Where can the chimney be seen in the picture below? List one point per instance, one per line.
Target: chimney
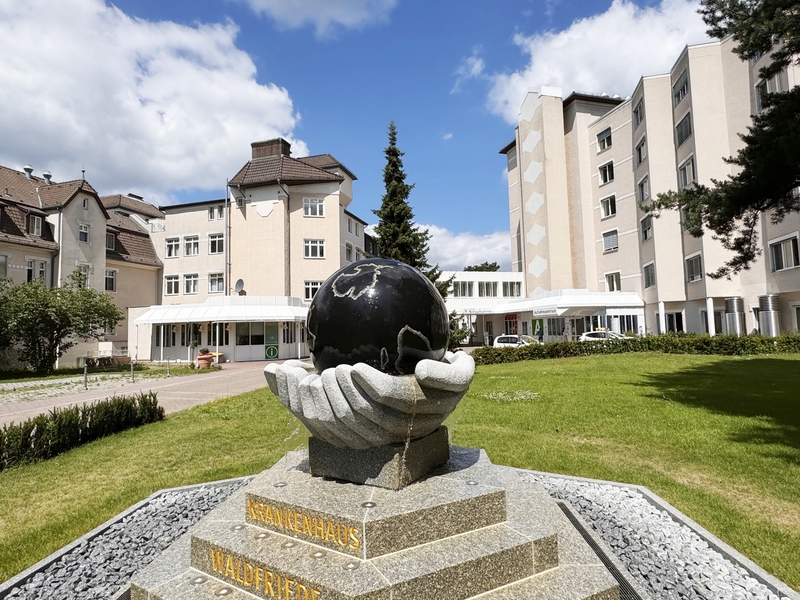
(47, 177)
(276, 147)
(28, 171)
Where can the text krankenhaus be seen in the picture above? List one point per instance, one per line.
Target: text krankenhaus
(260, 578)
(312, 527)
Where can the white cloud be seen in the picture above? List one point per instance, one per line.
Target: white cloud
(325, 15)
(447, 136)
(145, 106)
(470, 68)
(607, 52)
(454, 251)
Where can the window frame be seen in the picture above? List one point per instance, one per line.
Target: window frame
(681, 88)
(638, 114)
(216, 240)
(640, 151)
(313, 207)
(216, 279)
(113, 238)
(611, 201)
(687, 118)
(348, 252)
(607, 235)
(172, 247)
(111, 275)
(604, 140)
(613, 280)
(310, 288)
(84, 231)
(793, 252)
(606, 173)
(191, 278)
(699, 274)
(312, 247)
(642, 188)
(652, 267)
(173, 282)
(35, 225)
(194, 240)
(683, 181)
(646, 232)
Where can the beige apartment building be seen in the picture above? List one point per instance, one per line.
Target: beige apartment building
(578, 170)
(239, 273)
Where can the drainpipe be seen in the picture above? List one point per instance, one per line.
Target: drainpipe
(287, 249)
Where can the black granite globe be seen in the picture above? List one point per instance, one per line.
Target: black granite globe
(380, 312)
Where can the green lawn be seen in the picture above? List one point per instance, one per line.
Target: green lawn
(718, 437)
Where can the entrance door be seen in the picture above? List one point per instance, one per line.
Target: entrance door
(270, 340)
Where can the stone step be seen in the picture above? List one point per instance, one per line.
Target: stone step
(456, 567)
(365, 521)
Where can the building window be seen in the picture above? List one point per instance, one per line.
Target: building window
(190, 283)
(311, 288)
(607, 173)
(487, 289)
(770, 86)
(686, 173)
(348, 252)
(30, 270)
(784, 254)
(608, 207)
(644, 189)
(349, 225)
(511, 159)
(218, 334)
(694, 268)
(171, 285)
(83, 233)
(110, 241)
(610, 241)
(173, 247)
(641, 151)
(3, 266)
(358, 230)
(638, 114)
(614, 282)
(86, 203)
(462, 289)
(681, 88)
(220, 212)
(289, 333)
(85, 271)
(604, 139)
(212, 213)
(111, 281)
(674, 321)
(191, 245)
(359, 254)
(216, 283)
(649, 275)
(215, 243)
(314, 248)
(35, 225)
(647, 228)
(684, 129)
(313, 207)
(512, 289)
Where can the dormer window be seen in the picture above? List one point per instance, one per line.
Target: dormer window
(35, 225)
(110, 241)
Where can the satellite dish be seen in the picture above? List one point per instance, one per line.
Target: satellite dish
(239, 286)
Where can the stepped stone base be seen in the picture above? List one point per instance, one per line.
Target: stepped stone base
(470, 528)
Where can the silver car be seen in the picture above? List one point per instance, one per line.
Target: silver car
(514, 341)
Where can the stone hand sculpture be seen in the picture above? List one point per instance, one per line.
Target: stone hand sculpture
(359, 407)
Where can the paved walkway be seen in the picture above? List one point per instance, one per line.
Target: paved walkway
(174, 393)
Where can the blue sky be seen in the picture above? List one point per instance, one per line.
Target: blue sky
(163, 98)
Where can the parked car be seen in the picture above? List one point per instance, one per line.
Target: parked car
(602, 336)
(514, 341)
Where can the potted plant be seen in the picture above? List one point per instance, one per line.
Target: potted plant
(204, 358)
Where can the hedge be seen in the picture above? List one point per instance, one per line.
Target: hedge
(724, 345)
(51, 434)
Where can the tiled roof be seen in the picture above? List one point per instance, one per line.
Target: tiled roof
(269, 169)
(131, 204)
(36, 192)
(131, 244)
(13, 229)
(326, 161)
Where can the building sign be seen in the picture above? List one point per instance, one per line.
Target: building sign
(271, 351)
(545, 312)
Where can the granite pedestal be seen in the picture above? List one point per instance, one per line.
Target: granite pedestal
(470, 528)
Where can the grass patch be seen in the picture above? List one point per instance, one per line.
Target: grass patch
(141, 370)
(718, 437)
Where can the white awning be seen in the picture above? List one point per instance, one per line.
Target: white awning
(572, 303)
(228, 309)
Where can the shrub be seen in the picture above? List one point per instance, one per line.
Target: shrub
(724, 345)
(49, 435)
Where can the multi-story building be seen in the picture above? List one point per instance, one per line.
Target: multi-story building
(239, 273)
(580, 168)
(48, 230)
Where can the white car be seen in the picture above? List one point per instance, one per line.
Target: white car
(602, 336)
(514, 341)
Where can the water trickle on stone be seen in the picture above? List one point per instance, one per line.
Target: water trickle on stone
(298, 438)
